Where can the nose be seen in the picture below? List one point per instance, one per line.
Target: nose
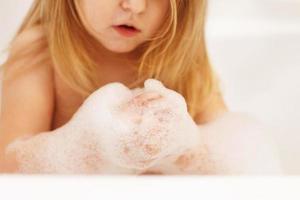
(135, 6)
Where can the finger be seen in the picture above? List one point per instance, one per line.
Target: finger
(146, 97)
(154, 85)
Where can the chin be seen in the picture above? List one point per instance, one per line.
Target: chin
(121, 47)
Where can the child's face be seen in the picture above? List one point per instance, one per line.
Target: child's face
(100, 17)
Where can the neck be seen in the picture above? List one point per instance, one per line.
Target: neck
(117, 67)
(108, 59)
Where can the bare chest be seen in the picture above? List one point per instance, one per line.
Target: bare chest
(67, 102)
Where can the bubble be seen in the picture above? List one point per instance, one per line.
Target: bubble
(116, 130)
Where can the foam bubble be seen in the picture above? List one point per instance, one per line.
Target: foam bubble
(116, 130)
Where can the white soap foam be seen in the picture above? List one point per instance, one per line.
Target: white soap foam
(162, 129)
(234, 144)
(116, 130)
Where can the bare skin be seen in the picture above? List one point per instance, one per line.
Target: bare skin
(65, 107)
(113, 132)
(151, 133)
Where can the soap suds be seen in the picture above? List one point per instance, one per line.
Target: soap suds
(116, 130)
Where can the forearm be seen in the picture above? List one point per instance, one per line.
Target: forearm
(8, 159)
(8, 163)
(58, 151)
(27, 155)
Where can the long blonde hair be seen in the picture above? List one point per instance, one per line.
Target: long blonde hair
(178, 57)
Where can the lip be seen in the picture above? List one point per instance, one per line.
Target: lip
(126, 32)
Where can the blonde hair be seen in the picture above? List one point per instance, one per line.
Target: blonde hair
(177, 56)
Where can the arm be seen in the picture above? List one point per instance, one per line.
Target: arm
(27, 106)
(74, 148)
(26, 143)
(228, 143)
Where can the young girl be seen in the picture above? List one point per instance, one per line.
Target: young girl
(67, 49)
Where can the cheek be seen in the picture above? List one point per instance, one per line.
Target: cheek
(159, 18)
(96, 14)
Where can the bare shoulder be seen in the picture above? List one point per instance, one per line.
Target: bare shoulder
(28, 54)
(27, 87)
(215, 107)
(26, 38)
(32, 67)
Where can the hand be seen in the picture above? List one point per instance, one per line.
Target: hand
(139, 128)
(74, 147)
(116, 130)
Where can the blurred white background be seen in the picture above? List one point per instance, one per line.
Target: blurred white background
(255, 48)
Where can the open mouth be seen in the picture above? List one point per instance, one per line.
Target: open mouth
(127, 27)
(127, 30)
